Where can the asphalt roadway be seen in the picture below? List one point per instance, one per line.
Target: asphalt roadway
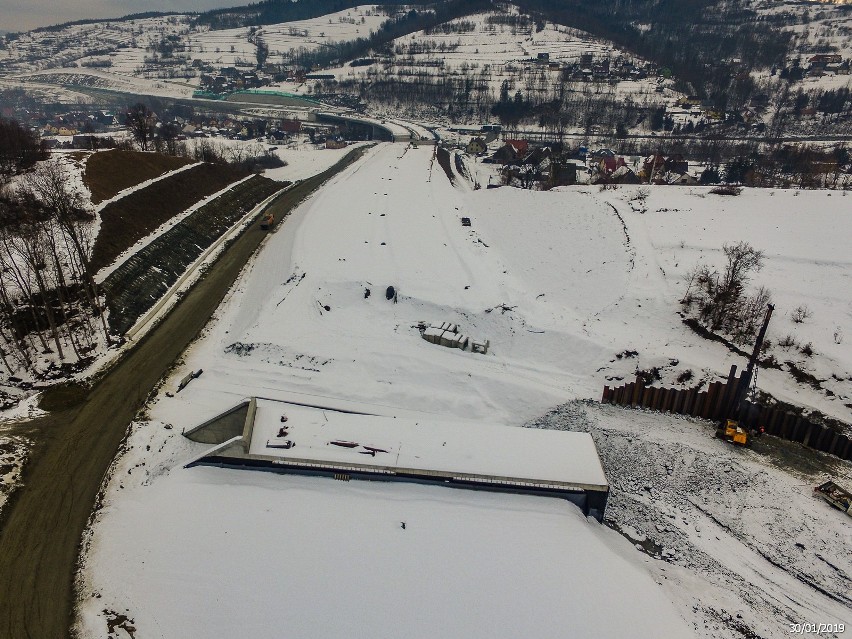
(43, 524)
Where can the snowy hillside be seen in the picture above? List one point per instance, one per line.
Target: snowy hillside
(816, 28)
(469, 59)
(230, 46)
(162, 56)
(482, 51)
(93, 43)
(485, 47)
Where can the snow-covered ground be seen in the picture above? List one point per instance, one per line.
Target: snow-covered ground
(560, 284)
(232, 46)
(13, 453)
(804, 235)
(743, 547)
(304, 160)
(395, 221)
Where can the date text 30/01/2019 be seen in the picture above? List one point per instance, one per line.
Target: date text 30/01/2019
(817, 628)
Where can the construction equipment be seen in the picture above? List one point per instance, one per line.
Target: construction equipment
(732, 432)
(729, 429)
(836, 496)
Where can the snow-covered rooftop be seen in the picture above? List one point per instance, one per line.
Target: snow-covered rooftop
(460, 447)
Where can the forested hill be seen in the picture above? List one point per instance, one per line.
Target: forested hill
(700, 41)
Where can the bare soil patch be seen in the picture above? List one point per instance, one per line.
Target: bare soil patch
(444, 160)
(128, 220)
(110, 172)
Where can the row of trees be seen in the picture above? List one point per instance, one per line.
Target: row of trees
(49, 301)
(165, 137)
(803, 166)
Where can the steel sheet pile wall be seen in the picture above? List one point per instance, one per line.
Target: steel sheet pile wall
(714, 404)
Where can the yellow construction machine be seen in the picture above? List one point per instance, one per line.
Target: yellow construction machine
(734, 433)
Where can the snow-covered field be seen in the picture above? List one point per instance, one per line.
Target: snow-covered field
(804, 237)
(559, 283)
(231, 46)
(304, 160)
(396, 222)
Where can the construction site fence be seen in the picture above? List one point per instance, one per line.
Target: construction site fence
(716, 404)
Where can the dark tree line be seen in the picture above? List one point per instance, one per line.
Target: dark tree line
(802, 166)
(511, 110)
(20, 148)
(276, 11)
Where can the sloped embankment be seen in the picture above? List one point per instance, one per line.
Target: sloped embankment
(129, 219)
(144, 278)
(444, 160)
(110, 172)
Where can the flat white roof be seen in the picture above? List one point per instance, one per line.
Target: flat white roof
(463, 447)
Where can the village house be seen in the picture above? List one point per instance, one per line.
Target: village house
(476, 146)
(676, 164)
(624, 175)
(653, 167)
(562, 173)
(291, 126)
(512, 151)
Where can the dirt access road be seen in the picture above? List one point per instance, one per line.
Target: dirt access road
(43, 525)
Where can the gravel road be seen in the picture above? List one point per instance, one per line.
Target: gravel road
(43, 524)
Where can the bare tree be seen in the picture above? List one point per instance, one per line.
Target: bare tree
(141, 120)
(262, 52)
(50, 185)
(721, 300)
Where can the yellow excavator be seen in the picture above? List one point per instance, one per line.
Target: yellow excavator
(734, 433)
(729, 429)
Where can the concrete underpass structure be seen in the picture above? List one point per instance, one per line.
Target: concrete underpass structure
(276, 436)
